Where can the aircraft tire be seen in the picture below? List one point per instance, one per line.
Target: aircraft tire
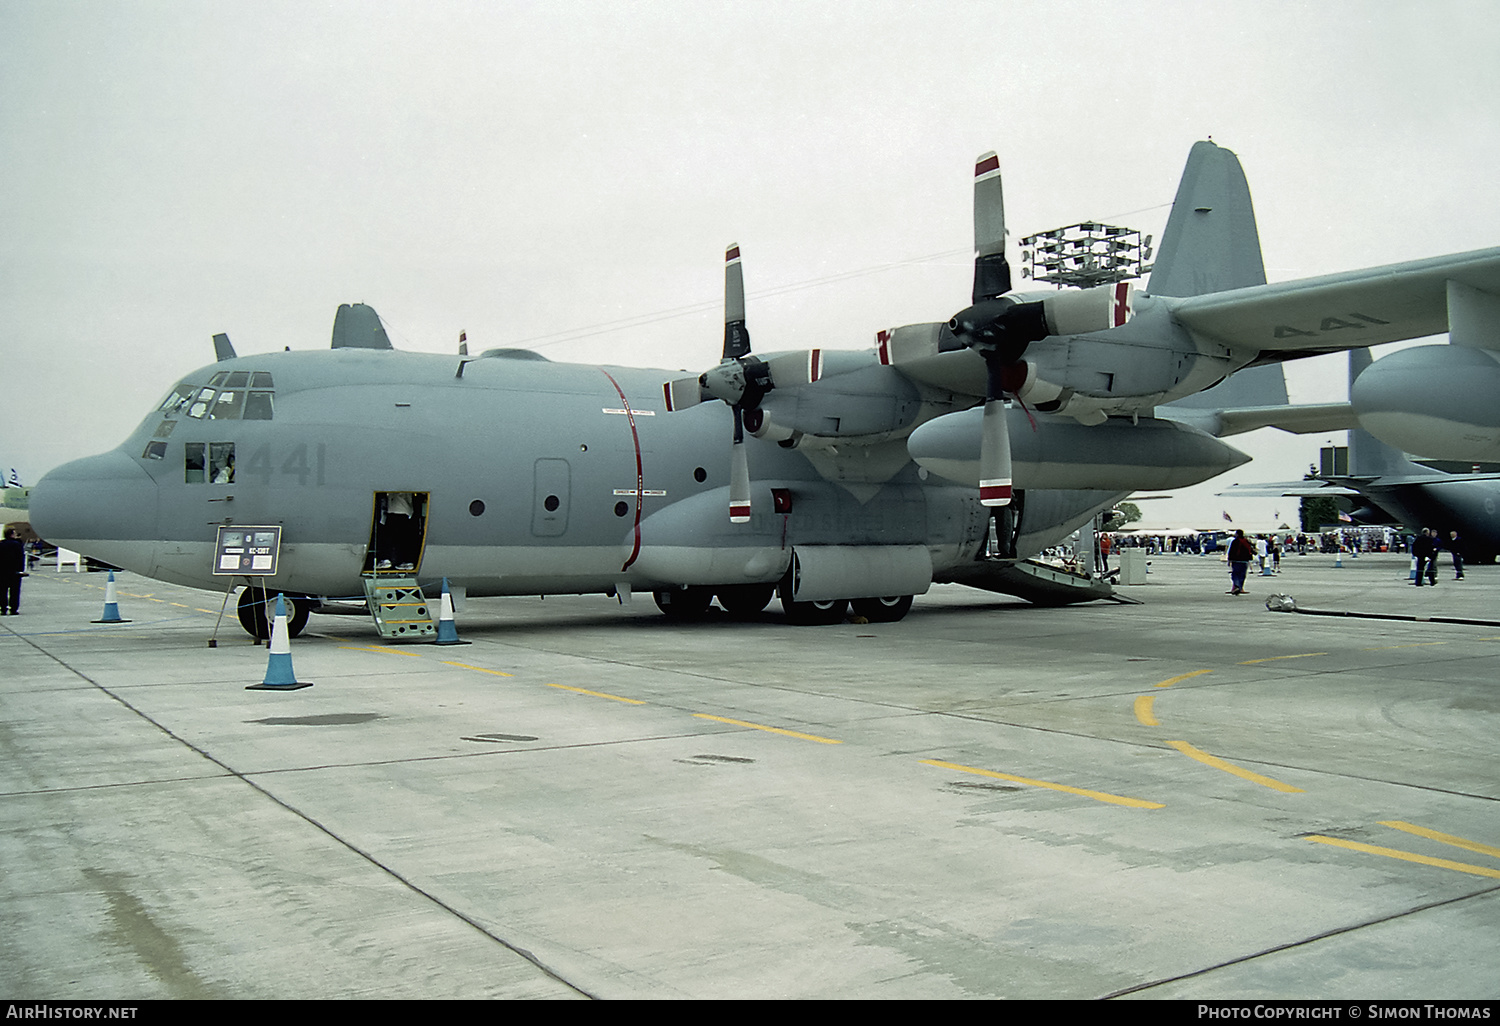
(882, 610)
(745, 600)
(253, 618)
(814, 614)
(252, 613)
(684, 603)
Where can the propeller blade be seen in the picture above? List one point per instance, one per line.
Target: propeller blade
(736, 335)
(994, 455)
(682, 393)
(991, 269)
(739, 474)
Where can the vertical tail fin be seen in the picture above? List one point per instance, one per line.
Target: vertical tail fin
(1210, 243)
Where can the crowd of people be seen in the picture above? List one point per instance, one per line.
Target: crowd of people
(1265, 551)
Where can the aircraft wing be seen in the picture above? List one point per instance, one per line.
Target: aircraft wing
(1294, 489)
(1339, 311)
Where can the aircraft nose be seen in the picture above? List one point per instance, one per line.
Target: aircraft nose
(95, 503)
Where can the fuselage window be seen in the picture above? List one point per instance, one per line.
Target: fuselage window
(193, 463)
(221, 462)
(155, 451)
(216, 468)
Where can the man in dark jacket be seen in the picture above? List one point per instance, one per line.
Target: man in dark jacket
(12, 563)
(1425, 549)
(1455, 548)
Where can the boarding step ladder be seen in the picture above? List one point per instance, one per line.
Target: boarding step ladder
(399, 608)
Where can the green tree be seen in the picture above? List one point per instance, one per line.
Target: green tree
(1124, 513)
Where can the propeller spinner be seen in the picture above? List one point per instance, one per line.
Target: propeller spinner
(741, 381)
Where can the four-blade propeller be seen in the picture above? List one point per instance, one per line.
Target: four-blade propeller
(1000, 326)
(742, 381)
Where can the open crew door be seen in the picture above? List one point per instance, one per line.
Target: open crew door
(398, 533)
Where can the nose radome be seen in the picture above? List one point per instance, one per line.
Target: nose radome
(98, 499)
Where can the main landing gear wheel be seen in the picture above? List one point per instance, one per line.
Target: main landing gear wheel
(814, 614)
(883, 610)
(745, 600)
(251, 610)
(684, 603)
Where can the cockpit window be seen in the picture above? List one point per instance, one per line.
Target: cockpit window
(201, 403)
(228, 406)
(258, 405)
(224, 397)
(179, 398)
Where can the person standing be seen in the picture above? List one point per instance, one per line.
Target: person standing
(1455, 546)
(1425, 549)
(12, 567)
(1240, 554)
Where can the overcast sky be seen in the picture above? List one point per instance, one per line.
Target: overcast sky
(565, 175)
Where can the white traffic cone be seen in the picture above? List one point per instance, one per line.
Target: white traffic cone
(111, 607)
(279, 675)
(447, 632)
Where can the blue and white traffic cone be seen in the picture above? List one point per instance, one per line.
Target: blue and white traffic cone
(111, 607)
(279, 675)
(447, 632)
(1338, 560)
(1413, 575)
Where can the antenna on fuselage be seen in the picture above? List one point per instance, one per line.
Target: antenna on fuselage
(223, 349)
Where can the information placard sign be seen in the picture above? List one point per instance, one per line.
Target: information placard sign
(248, 551)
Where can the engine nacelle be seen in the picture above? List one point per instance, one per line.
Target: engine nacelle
(1437, 402)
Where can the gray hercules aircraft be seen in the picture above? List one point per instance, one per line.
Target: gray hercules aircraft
(1399, 491)
(949, 452)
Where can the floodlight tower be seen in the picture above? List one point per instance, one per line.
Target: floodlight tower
(1084, 255)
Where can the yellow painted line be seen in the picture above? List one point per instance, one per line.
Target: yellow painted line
(179, 605)
(1415, 644)
(1406, 856)
(1272, 659)
(1433, 835)
(387, 651)
(1143, 710)
(773, 730)
(598, 694)
(1182, 677)
(1098, 796)
(481, 669)
(1229, 767)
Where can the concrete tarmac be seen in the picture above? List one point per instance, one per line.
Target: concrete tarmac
(1188, 798)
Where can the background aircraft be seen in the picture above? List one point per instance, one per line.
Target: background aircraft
(857, 477)
(1401, 491)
